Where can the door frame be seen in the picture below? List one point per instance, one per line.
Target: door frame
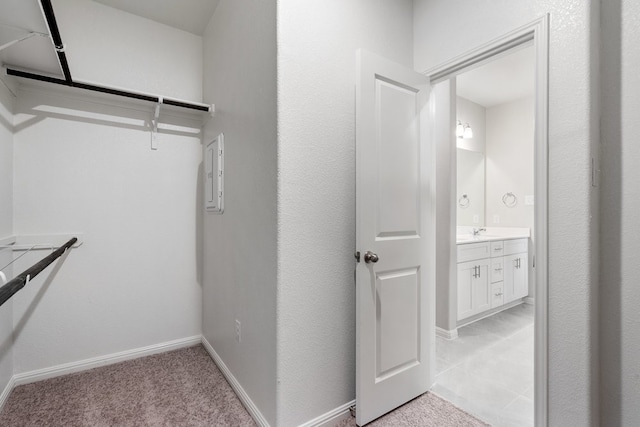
(538, 32)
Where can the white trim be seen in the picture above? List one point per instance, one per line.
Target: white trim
(7, 391)
(332, 417)
(242, 395)
(471, 319)
(83, 365)
(538, 31)
(529, 300)
(447, 335)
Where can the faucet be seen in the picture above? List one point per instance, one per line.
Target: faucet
(476, 231)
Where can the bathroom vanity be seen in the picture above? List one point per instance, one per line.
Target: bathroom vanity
(493, 271)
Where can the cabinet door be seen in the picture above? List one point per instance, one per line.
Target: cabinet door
(521, 278)
(516, 277)
(474, 294)
(481, 298)
(466, 271)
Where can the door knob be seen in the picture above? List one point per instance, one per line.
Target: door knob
(370, 257)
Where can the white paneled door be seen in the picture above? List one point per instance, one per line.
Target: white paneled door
(394, 237)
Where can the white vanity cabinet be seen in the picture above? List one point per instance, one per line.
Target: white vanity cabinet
(474, 287)
(491, 274)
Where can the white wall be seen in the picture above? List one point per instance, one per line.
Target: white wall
(110, 47)
(85, 165)
(444, 30)
(509, 157)
(6, 229)
(317, 44)
(471, 164)
(620, 197)
(240, 245)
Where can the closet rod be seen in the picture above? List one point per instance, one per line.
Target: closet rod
(112, 91)
(18, 282)
(47, 10)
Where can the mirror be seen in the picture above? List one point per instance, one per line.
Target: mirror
(471, 178)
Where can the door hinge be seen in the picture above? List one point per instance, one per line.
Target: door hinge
(357, 255)
(352, 409)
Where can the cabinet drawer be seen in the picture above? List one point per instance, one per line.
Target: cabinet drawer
(516, 246)
(497, 295)
(471, 251)
(497, 270)
(497, 248)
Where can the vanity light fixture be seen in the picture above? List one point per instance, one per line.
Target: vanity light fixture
(468, 133)
(463, 132)
(459, 129)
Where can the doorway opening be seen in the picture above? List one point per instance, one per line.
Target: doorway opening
(490, 126)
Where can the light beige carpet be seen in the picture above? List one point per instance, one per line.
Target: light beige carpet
(427, 410)
(178, 388)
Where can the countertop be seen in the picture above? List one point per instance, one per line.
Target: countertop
(493, 234)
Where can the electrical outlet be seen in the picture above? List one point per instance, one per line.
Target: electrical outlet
(238, 331)
(476, 219)
(496, 219)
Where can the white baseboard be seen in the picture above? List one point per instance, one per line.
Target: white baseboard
(83, 365)
(332, 417)
(7, 391)
(447, 335)
(529, 300)
(242, 395)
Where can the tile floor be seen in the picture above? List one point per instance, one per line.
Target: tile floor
(488, 369)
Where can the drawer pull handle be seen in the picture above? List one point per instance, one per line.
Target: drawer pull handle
(497, 269)
(497, 249)
(498, 295)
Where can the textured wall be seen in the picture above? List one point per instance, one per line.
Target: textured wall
(240, 245)
(444, 30)
(620, 204)
(317, 44)
(6, 229)
(134, 281)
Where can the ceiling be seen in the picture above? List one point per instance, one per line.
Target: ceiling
(18, 18)
(502, 80)
(188, 15)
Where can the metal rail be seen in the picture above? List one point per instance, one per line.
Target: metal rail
(19, 282)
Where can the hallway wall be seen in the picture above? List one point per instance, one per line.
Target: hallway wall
(317, 44)
(6, 229)
(240, 245)
(444, 30)
(83, 163)
(620, 228)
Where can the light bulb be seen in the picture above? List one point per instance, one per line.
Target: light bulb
(467, 132)
(459, 129)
